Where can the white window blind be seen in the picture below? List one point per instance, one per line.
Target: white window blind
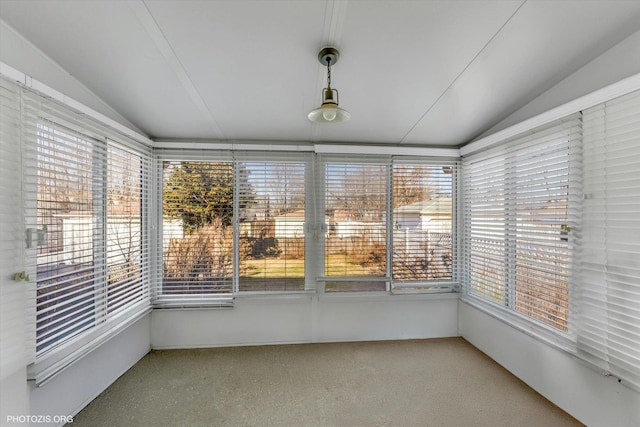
(70, 208)
(356, 212)
(13, 294)
(485, 225)
(389, 223)
(521, 201)
(231, 222)
(85, 198)
(423, 232)
(127, 213)
(197, 232)
(608, 305)
(271, 226)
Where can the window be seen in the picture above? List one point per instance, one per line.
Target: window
(608, 298)
(70, 204)
(356, 216)
(389, 225)
(90, 199)
(197, 227)
(552, 234)
(520, 202)
(423, 203)
(127, 250)
(85, 198)
(271, 225)
(238, 223)
(229, 225)
(485, 202)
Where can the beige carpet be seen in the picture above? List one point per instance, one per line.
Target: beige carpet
(440, 382)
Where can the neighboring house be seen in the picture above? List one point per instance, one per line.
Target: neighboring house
(290, 225)
(430, 215)
(423, 230)
(77, 239)
(342, 224)
(257, 228)
(78, 231)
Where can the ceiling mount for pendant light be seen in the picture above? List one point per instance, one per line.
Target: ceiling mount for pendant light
(329, 111)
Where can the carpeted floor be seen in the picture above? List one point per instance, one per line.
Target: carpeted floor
(438, 382)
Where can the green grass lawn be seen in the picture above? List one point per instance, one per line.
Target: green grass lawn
(272, 267)
(274, 273)
(336, 265)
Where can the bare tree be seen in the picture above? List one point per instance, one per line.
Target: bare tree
(411, 184)
(359, 190)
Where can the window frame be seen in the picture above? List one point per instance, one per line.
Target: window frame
(315, 227)
(47, 362)
(323, 279)
(392, 286)
(434, 285)
(188, 299)
(245, 159)
(235, 158)
(568, 133)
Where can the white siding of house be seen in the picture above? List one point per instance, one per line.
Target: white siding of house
(289, 227)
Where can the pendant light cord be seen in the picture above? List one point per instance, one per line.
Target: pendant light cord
(329, 73)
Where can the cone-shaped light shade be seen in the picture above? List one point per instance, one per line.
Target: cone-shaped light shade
(329, 112)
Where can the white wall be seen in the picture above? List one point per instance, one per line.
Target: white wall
(14, 396)
(592, 398)
(307, 318)
(618, 63)
(71, 390)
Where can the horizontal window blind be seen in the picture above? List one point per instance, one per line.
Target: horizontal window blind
(520, 204)
(485, 226)
(232, 221)
(271, 226)
(197, 232)
(127, 213)
(355, 204)
(608, 303)
(85, 202)
(272, 201)
(423, 218)
(70, 211)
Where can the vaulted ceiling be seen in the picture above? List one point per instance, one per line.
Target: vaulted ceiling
(412, 72)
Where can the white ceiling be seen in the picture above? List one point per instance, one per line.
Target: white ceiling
(413, 72)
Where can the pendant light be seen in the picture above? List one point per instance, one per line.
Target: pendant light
(329, 111)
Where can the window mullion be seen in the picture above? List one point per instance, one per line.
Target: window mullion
(155, 228)
(389, 226)
(313, 236)
(320, 228)
(510, 233)
(236, 227)
(99, 213)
